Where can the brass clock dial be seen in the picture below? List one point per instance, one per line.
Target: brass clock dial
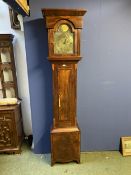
(63, 40)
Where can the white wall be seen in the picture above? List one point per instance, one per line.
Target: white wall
(21, 66)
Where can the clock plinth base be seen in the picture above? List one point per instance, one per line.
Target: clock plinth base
(65, 145)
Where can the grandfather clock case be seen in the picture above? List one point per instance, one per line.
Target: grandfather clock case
(64, 28)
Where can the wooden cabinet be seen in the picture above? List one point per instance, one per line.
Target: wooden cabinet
(64, 28)
(10, 115)
(8, 83)
(10, 129)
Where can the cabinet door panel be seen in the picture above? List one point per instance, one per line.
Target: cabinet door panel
(6, 130)
(8, 88)
(64, 76)
(64, 95)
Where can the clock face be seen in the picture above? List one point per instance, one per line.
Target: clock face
(63, 40)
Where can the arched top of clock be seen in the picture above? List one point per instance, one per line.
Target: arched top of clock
(65, 23)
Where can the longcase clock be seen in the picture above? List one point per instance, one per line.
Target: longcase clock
(64, 27)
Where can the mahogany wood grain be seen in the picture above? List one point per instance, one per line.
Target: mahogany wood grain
(65, 133)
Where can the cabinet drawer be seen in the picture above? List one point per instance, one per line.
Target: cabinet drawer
(6, 115)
